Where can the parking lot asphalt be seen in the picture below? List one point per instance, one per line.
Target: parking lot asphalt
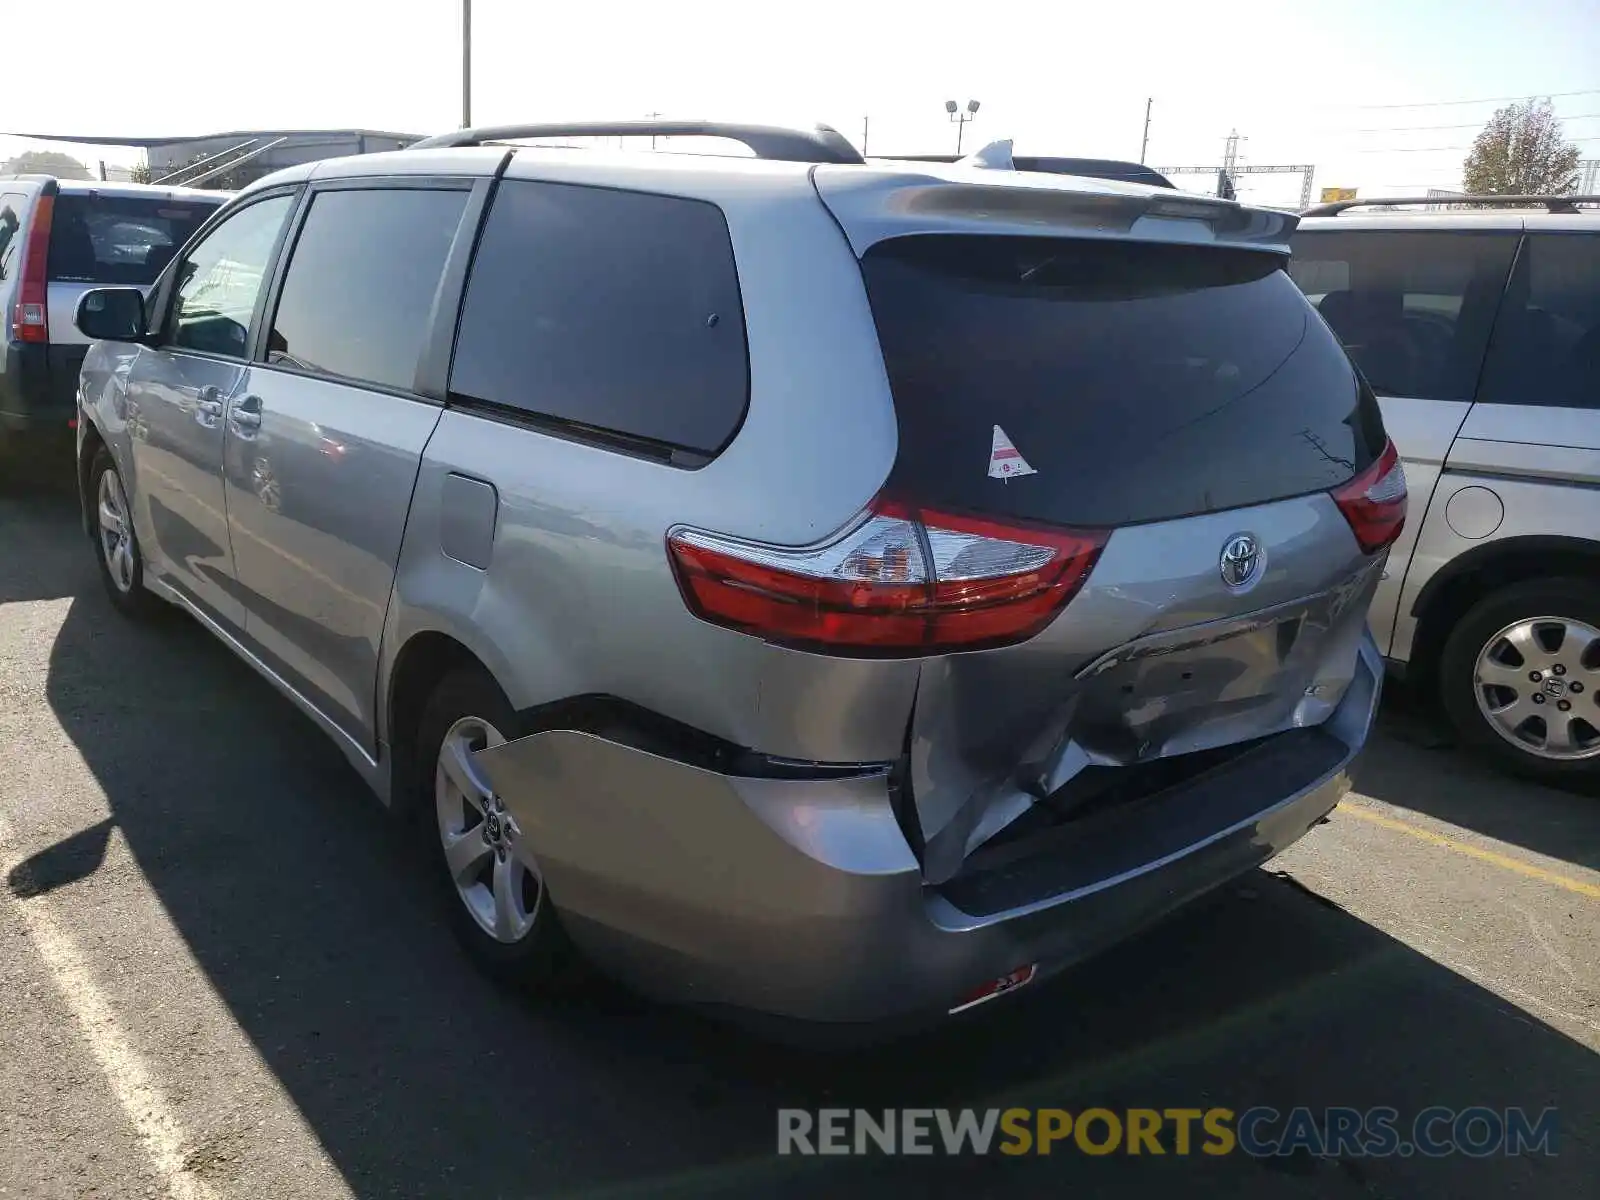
(222, 976)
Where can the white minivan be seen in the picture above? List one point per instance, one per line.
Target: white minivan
(1479, 330)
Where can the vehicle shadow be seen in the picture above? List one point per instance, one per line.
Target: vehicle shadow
(1413, 763)
(308, 918)
(37, 475)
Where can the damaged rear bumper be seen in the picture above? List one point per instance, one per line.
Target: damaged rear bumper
(802, 899)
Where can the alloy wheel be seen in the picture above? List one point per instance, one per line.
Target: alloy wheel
(116, 531)
(1537, 683)
(494, 872)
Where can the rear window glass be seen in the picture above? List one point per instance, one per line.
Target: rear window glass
(118, 239)
(606, 310)
(1137, 382)
(1413, 308)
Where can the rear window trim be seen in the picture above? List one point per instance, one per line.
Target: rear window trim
(967, 511)
(365, 385)
(665, 454)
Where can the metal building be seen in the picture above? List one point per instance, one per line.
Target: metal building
(237, 158)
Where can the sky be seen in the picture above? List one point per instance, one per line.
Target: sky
(1382, 95)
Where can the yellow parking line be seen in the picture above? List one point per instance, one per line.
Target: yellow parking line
(1504, 861)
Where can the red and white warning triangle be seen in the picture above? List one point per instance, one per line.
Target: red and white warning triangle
(1005, 460)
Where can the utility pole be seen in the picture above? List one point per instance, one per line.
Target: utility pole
(1145, 144)
(1226, 188)
(1230, 153)
(466, 64)
(864, 123)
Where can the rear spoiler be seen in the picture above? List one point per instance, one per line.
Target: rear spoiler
(894, 200)
(997, 155)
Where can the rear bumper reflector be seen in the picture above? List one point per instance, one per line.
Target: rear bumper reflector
(1008, 982)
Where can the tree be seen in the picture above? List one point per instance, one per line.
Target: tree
(1521, 152)
(46, 162)
(142, 173)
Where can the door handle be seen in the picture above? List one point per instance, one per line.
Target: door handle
(246, 415)
(208, 406)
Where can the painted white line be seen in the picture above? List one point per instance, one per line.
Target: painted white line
(131, 1081)
(1541, 934)
(1421, 940)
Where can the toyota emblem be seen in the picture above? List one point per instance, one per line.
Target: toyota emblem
(1242, 560)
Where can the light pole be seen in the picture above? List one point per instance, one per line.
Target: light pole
(961, 116)
(466, 64)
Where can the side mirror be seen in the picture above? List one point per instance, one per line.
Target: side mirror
(112, 314)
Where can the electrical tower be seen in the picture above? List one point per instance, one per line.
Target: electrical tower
(1591, 169)
(1231, 170)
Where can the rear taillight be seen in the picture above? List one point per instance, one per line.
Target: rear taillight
(903, 580)
(29, 320)
(1374, 502)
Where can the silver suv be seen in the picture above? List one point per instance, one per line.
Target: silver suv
(58, 239)
(1479, 330)
(839, 590)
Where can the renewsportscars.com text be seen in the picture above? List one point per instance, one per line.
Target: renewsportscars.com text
(1477, 1132)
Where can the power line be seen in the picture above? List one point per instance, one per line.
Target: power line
(1480, 100)
(1197, 129)
(1432, 149)
(1407, 149)
(1329, 132)
(1467, 125)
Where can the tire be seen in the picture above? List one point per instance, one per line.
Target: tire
(488, 900)
(1546, 626)
(116, 545)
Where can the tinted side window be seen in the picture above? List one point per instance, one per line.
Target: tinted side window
(614, 310)
(1546, 347)
(1413, 309)
(219, 280)
(361, 280)
(12, 206)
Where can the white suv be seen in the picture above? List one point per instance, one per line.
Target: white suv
(58, 239)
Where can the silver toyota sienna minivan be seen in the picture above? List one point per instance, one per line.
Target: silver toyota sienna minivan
(845, 591)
